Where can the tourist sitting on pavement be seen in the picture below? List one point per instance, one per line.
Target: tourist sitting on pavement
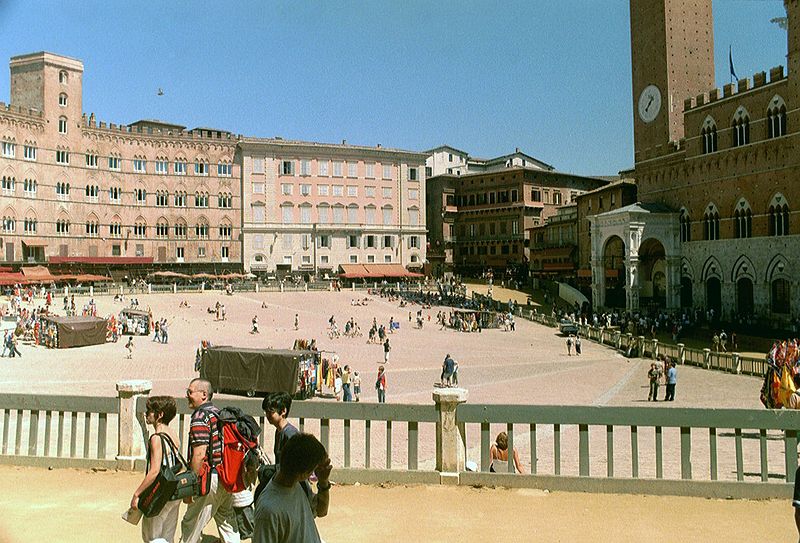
(499, 452)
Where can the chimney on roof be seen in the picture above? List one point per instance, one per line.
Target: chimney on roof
(379, 146)
(344, 142)
(517, 150)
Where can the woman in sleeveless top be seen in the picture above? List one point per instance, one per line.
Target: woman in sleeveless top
(499, 452)
(159, 411)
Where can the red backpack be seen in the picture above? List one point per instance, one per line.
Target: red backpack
(240, 451)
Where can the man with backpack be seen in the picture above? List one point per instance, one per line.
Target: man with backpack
(205, 447)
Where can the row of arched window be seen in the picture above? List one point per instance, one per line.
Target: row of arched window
(777, 216)
(740, 126)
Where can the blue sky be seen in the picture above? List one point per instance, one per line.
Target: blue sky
(552, 78)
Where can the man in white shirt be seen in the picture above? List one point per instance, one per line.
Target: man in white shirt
(285, 510)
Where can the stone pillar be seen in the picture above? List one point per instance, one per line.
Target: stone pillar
(174, 288)
(281, 286)
(655, 348)
(681, 353)
(305, 287)
(450, 447)
(673, 273)
(707, 358)
(149, 288)
(91, 290)
(121, 290)
(202, 286)
(598, 283)
(353, 287)
(256, 287)
(737, 363)
(132, 428)
(66, 291)
(632, 285)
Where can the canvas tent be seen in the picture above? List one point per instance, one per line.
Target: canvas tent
(74, 331)
(249, 371)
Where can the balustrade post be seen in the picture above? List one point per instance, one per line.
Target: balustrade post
(174, 288)
(450, 446)
(91, 290)
(305, 287)
(655, 348)
(619, 340)
(737, 363)
(681, 353)
(131, 426)
(203, 286)
(707, 358)
(602, 334)
(149, 288)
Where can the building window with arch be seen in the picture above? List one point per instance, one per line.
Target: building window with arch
(9, 224)
(225, 200)
(92, 193)
(709, 136)
(225, 231)
(62, 100)
(742, 221)
(140, 229)
(200, 199)
(686, 226)
(740, 128)
(780, 296)
(162, 229)
(92, 228)
(62, 227)
(62, 125)
(201, 231)
(776, 118)
(779, 218)
(180, 230)
(115, 229)
(9, 149)
(63, 78)
(711, 223)
(30, 225)
(9, 184)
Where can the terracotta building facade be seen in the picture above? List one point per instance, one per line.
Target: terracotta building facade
(77, 190)
(716, 226)
(478, 221)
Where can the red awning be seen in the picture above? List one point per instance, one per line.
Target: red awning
(558, 266)
(552, 252)
(12, 278)
(119, 260)
(34, 242)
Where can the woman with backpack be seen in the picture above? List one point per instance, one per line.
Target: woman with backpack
(159, 411)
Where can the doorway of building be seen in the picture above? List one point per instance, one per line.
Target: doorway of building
(686, 292)
(714, 295)
(614, 270)
(744, 296)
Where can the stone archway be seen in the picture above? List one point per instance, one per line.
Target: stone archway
(652, 274)
(613, 264)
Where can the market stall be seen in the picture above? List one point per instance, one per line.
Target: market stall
(251, 372)
(134, 322)
(66, 332)
(471, 320)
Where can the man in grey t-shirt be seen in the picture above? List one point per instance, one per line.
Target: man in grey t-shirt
(285, 510)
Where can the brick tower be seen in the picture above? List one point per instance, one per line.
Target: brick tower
(672, 57)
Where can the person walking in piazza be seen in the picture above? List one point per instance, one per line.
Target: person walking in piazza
(129, 346)
(159, 411)
(723, 341)
(254, 330)
(347, 394)
(205, 447)
(380, 384)
(386, 349)
(357, 385)
(164, 331)
(672, 380)
(654, 376)
(578, 345)
(715, 342)
(296, 321)
(569, 346)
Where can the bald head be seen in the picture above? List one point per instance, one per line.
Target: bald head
(199, 392)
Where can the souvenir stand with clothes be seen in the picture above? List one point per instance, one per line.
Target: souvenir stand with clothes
(317, 373)
(471, 320)
(65, 332)
(134, 322)
(783, 372)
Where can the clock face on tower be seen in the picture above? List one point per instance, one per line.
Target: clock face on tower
(649, 103)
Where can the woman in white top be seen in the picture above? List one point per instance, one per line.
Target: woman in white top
(499, 452)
